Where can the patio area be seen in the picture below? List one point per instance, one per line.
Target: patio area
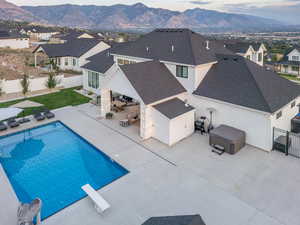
(250, 188)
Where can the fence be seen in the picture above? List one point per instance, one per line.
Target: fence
(38, 83)
(286, 142)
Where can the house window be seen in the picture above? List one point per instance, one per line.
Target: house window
(93, 79)
(293, 104)
(66, 61)
(295, 58)
(74, 62)
(58, 61)
(295, 68)
(182, 71)
(248, 57)
(278, 115)
(126, 62)
(120, 61)
(259, 57)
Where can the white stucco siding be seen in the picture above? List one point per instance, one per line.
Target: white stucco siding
(161, 126)
(66, 63)
(182, 127)
(93, 51)
(293, 54)
(85, 82)
(189, 82)
(14, 43)
(120, 84)
(288, 112)
(129, 58)
(200, 73)
(257, 125)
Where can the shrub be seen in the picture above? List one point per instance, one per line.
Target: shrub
(109, 115)
(52, 81)
(25, 84)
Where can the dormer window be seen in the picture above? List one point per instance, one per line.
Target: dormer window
(182, 71)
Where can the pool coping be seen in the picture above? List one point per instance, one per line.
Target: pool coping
(85, 140)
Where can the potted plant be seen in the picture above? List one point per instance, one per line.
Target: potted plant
(109, 115)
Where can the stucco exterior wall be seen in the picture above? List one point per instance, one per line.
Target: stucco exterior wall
(257, 125)
(288, 112)
(14, 43)
(161, 126)
(181, 127)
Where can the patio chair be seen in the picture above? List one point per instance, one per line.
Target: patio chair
(39, 116)
(3, 127)
(12, 123)
(48, 114)
(24, 120)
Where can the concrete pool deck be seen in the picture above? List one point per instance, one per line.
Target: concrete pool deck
(250, 188)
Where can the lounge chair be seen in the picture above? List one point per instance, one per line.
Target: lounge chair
(12, 123)
(39, 116)
(27, 212)
(3, 127)
(48, 114)
(24, 120)
(100, 204)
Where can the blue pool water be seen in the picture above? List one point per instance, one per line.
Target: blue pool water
(52, 162)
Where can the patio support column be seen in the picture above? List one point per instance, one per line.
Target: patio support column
(146, 122)
(35, 59)
(105, 101)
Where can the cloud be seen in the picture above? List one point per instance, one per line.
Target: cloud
(200, 2)
(282, 11)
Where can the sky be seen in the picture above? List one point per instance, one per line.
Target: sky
(283, 10)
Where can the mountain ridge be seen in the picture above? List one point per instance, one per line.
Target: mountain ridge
(137, 17)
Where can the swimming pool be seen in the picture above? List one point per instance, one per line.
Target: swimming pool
(52, 162)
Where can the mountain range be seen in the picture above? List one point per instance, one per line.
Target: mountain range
(135, 17)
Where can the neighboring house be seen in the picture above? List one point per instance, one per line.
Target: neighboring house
(40, 33)
(79, 35)
(72, 54)
(13, 40)
(290, 64)
(177, 75)
(252, 51)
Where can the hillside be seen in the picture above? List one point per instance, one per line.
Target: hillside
(135, 17)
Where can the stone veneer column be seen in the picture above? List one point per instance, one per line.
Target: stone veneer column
(105, 102)
(146, 122)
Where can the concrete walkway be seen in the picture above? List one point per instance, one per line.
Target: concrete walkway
(250, 188)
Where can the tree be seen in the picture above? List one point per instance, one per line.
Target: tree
(25, 84)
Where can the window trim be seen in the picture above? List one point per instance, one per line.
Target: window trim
(180, 71)
(93, 79)
(293, 104)
(279, 115)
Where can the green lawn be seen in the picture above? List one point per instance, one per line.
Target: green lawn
(290, 77)
(65, 97)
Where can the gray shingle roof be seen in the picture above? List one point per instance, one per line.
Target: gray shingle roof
(173, 108)
(74, 48)
(189, 47)
(242, 47)
(100, 62)
(239, 81)
(152, 80)
(175, 220)
(5, 34)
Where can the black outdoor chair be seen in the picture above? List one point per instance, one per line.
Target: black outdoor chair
(3, 127)
(48, 114)
(12, 123)
(39, 116)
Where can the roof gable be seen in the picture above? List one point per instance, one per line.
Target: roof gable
(152, 81)
(100, 62)
(74, 48)
(241, 82)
